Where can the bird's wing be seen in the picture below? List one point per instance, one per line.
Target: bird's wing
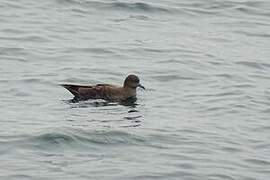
(76, 89)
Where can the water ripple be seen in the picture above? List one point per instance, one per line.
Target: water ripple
(116, 6)
(76, 139)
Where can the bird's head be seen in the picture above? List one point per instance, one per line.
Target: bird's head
(132, 81)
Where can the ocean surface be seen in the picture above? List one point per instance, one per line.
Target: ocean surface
(203, 116)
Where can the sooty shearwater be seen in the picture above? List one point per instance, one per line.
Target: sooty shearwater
(106, 91)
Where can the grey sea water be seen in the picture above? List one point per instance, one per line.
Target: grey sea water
(204, 114)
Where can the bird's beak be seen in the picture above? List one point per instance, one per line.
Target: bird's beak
(141, 86)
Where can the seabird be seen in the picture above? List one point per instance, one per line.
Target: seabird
(106, 91)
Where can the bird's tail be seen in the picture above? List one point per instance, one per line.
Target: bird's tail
(74, 89)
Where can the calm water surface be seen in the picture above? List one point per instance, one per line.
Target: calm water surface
(204, 115)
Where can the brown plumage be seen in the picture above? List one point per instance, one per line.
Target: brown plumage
(106, 91)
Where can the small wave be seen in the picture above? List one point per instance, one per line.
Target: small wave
(12, 51)
(208, 5)
(220, 176)
(90, 50)
(259, 162)
(259, 35)
(168, 78)
(28, 38)
(250, 64)
(226, 8)
(54, 138)
(248, 10)
(14, 58)
(222, 94)
(71, 139)
(81, 138)
(124, 6)
(139, 6)
(67, 1)
(12, 4)
(205, 7)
